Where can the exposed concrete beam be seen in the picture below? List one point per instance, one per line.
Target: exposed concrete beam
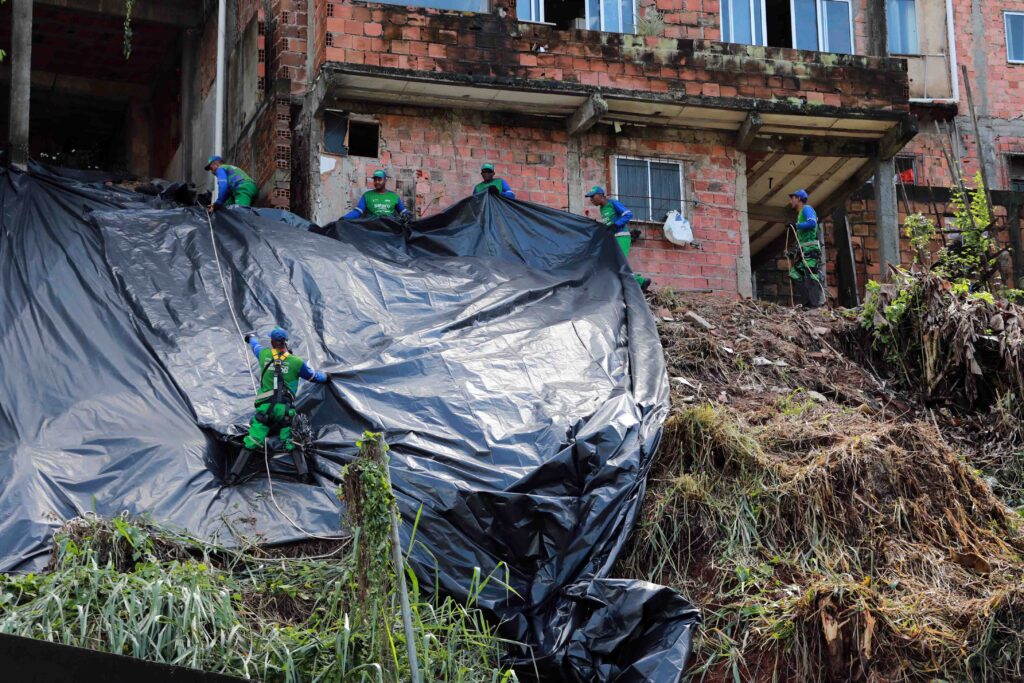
(897, 137)
(82, 85)
(772, 214)
(182, 13)
(748, 131)
(816, 147)
(589, 113)
(21, 80)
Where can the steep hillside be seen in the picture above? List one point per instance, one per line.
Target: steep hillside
(829, 525)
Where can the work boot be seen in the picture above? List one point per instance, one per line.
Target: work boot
(236, 469)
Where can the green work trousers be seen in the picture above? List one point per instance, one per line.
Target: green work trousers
(243, 195)
(270, 418)
(625, 242)
(806, 272)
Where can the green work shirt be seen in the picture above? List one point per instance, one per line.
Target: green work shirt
(807, 227)
(292, 366)
(381, 203)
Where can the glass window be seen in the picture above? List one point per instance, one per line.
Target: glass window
(1014, 36)
(805, 24)
(743, 21)
(902, 16)
(649, 188)
(836, 32)
(594, 15)
(460, 5)
(530, 10)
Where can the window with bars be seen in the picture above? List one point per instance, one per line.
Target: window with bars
(1015, 171)
(650, 188)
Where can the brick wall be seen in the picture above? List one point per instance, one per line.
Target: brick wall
(435, 157)
(487, 47)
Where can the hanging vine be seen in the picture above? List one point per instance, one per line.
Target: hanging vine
(129, 5)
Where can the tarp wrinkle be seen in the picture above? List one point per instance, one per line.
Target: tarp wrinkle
(502, 347)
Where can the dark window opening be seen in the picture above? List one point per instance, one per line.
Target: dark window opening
(343, 136)
(779, 21)
(363, 138)
(564, 13)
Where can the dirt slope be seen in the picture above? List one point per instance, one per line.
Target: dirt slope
(825, 523)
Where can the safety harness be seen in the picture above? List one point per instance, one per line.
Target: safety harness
(280, 393)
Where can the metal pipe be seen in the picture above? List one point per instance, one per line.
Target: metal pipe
(218, 125)
(21, 80)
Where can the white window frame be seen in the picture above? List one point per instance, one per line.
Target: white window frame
(600, 7)
(819, 6)
(538, 19)
(1006, 35)
(681, 163)
(732, 23)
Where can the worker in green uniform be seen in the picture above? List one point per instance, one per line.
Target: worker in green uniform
(279, 381)
(617, 217)
(806, 254)
(492, 184)
(234, 186)
(380, 201)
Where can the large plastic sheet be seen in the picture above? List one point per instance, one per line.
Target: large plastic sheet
(502, 347)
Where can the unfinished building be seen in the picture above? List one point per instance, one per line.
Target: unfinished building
(715, 109)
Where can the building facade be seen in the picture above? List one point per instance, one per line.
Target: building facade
(715, 108)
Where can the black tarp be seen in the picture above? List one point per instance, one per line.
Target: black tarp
(502, 347)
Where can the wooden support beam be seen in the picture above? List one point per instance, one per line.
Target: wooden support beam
(181, 13)
(896, 138)
(824, 177)
(748, 131)
(763, 168)
(588, 114)
(783, 185)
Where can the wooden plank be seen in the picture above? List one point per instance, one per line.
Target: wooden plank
(763, 168)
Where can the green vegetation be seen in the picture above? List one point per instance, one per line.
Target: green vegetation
(838, 549)
(129, 587)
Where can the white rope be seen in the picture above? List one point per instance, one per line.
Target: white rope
(231, 308)
(252, 377)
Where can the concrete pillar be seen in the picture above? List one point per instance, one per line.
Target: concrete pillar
(21, 79)
(574, 176)
(744, 277)
(888, 217)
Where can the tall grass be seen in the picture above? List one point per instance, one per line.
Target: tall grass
(131, 588)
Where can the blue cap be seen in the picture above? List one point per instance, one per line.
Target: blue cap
(380, 174)
(799, 194)
(596, 189)
(211, 160)
(278, 335)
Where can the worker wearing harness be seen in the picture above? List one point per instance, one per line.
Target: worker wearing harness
(234, 186)
(806, 255)
(617, 217)
(492, 184)
(279, 381)
(379, 201)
